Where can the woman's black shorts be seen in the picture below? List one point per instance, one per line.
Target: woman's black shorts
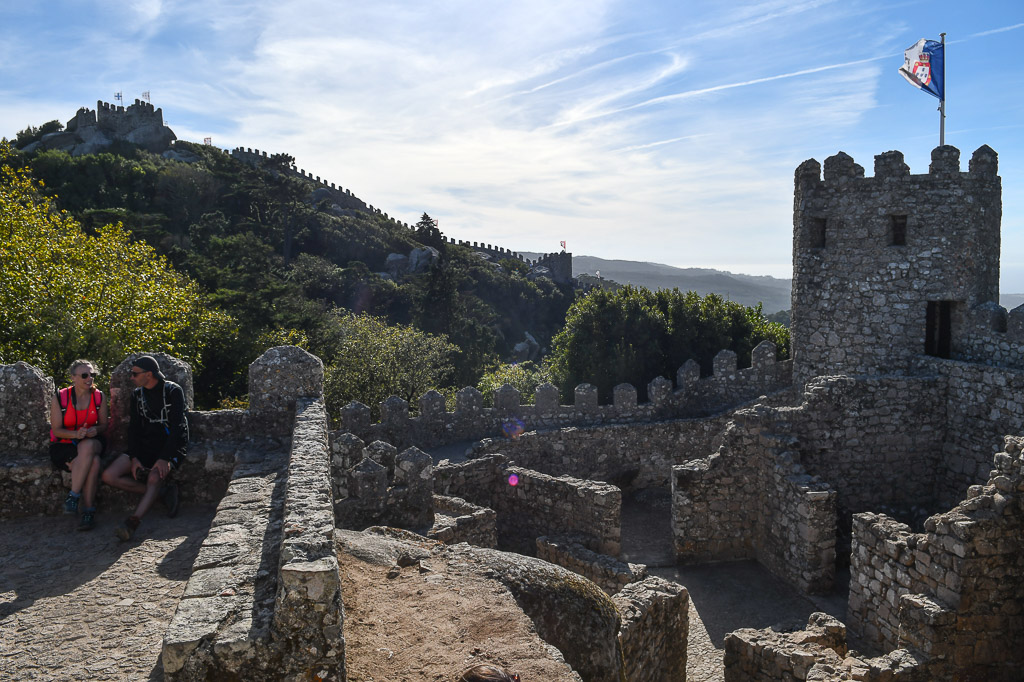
(62, 453)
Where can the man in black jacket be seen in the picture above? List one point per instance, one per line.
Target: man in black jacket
(157, 441)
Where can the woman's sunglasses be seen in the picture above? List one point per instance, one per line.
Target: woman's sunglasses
(86, 375)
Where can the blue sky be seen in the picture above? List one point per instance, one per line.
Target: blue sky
(651, 130)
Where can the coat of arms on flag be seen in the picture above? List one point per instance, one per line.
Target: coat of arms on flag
(923, 70)
(923, 67)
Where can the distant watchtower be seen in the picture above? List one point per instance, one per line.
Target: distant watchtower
(887, 267)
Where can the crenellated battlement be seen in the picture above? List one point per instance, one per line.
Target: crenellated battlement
(559, 263)
(692, 396)
(122, 120)
(885, 266)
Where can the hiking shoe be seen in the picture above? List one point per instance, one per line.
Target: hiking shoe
(71, 504)
(169, 496)
(88, 521)
(127, 529)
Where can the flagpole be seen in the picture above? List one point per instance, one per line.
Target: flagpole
(942, 102)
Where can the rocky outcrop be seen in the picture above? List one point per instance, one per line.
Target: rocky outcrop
(90, 132)
(569, 612)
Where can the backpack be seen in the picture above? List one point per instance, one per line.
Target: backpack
(63, 397)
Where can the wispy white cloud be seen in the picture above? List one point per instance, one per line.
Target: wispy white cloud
(645, 129)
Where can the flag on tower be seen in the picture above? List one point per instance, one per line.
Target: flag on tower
(924, 67)
(145, 95)
(563, 245)
(117, 95)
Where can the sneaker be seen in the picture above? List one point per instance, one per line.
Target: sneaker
(88, 521)
(70, 504)
(127, 529)
(169, 496)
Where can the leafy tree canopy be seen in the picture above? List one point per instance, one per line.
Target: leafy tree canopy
(32, 134)
(375, 360)
(67, 294)
(632, 335)
(525, 377)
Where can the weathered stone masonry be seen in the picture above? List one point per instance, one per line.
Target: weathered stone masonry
(883, 264)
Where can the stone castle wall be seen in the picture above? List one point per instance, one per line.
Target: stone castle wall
(570, 551)
(956, 589)
(655, 626)
(752, 499)
(533, 504)
(456, 520)
(874, 257)
(626, 455)
(982, 404)
(693, 396)
(559, 263)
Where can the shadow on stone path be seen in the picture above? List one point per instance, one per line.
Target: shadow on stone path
(84, 606)
(724, 596)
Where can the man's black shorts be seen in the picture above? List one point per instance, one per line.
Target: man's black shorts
(148, 458)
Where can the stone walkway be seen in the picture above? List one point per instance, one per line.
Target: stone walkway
(84, 606)
(724, 596)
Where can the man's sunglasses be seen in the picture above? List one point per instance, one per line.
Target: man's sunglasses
(135, 374)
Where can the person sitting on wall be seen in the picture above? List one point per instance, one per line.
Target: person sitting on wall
(78, 419)
(157, 441)
(486, 672)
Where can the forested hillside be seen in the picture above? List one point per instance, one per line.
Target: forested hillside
(288, 270)
(215, 260)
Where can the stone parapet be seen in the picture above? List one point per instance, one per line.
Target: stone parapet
(530, 504)
(608, 573)
(456, 520)
(308, 611)
(692, 397)
(626, 455)
(221, 628)
(654, 631)
(935, 591)
(264, 599)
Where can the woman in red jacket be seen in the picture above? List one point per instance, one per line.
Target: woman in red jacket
(78, 419)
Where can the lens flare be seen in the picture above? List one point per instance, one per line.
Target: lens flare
(513, 480)
(513, 429)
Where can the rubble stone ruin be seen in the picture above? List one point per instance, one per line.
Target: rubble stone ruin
(892, 443)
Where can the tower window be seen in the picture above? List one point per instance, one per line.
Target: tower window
(938, 328)
(898, 230)
(817, 233)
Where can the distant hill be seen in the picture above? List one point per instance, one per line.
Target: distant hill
(771, 292)
(1008, 301)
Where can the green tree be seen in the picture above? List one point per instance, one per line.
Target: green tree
(375, 360)
(633, 335)
(32, 134)
(525, 377)
(610, 338)
(428, 234)
(67, 294)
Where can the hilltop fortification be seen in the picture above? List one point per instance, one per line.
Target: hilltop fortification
(90, 132)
